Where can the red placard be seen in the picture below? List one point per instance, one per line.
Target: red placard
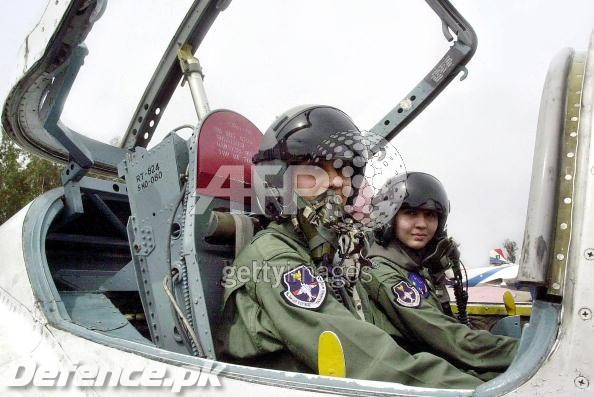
(226, 143)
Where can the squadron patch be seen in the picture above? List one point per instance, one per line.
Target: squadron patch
(419, 283)
(303, 289)
(406, 295)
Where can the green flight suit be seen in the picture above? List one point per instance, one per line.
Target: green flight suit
(262, 327)
(416, 311)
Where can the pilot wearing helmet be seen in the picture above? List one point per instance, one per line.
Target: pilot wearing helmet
(285, 291)
(410, 256)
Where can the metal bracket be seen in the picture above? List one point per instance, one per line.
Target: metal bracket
(144, 243)
(72, 199)
(449, 66)
(80, 158)
(73, 172)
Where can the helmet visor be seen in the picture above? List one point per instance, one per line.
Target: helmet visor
(426, 192)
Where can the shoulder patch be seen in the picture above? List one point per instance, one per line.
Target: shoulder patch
(420, 283)
(406, 295)
(303, 289)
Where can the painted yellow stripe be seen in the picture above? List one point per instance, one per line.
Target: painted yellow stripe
(477, 309)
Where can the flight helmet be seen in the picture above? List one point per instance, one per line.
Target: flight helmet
(304, 134)
(423, 191)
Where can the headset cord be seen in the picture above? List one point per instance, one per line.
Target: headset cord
(337, 283)
(460, 293)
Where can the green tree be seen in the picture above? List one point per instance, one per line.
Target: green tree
(22, 178)
(512, 249)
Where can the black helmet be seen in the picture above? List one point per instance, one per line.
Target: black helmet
(296, 135)
(423, 191)
(302, 134)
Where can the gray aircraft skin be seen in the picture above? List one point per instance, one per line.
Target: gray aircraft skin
(109, 271)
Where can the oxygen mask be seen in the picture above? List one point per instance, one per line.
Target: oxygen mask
(357, 166)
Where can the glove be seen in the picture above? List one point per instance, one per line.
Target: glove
(445, 252)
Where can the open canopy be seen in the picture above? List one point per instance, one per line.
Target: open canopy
(55, 51)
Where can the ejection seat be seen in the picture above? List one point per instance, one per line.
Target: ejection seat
(190, 203)
(227, 140)
(225, 145)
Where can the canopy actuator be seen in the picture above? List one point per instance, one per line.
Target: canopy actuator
(193, 74)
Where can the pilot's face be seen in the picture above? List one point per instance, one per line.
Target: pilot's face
(415, 227)
(312, 180)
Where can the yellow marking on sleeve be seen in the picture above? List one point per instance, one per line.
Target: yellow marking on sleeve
(330, 355)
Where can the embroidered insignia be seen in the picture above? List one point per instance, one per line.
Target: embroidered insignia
(419, 283)
(303, 289)
(406, 295)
